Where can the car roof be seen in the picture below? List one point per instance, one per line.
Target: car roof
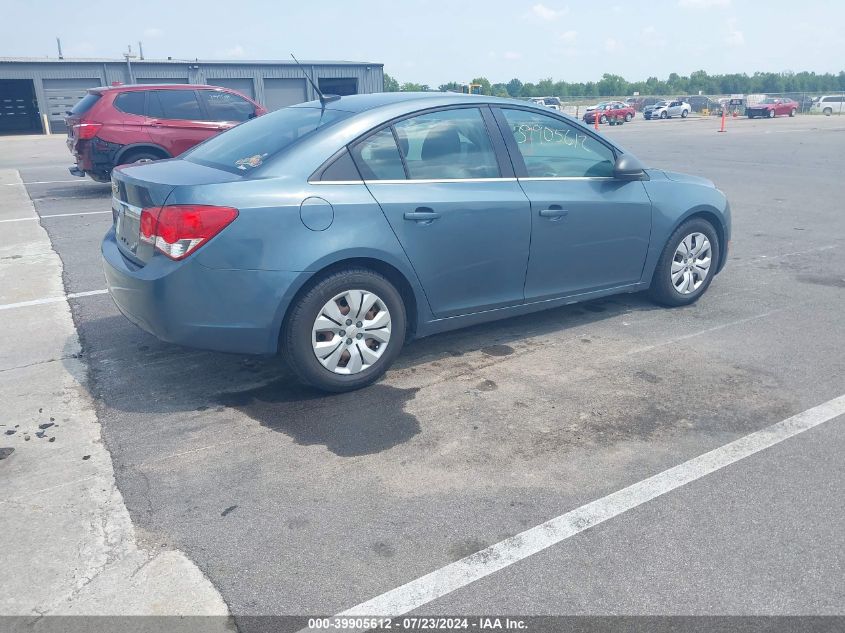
(130, 87)
(415, 101)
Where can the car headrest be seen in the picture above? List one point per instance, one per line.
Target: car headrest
(441, 142)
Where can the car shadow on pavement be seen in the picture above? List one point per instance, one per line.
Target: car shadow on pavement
(132, 372)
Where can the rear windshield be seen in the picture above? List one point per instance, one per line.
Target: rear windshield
(251, 144)
(86, 103)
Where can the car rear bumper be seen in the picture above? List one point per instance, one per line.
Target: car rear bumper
(189, 304)
(95, 156)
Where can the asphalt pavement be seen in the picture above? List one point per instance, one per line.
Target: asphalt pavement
(296, 502)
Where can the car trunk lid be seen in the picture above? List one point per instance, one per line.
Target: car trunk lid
(148, 186)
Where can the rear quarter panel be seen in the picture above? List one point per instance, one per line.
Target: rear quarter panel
(270, 235)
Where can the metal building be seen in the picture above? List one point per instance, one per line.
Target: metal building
(36, 93)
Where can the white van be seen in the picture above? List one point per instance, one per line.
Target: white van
(829, 104)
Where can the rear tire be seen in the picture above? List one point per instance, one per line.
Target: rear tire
(684, 114)
(300, 333)
(628, 117)
(663, 289)
(792, 112)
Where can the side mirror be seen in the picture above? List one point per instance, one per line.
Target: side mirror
(627, 167)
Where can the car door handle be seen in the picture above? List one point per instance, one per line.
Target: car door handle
(554, 212)
(422, 214)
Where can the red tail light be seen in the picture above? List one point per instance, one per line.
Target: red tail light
(85, 131)
(180, 229)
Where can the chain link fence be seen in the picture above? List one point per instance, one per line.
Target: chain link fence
(811, 103)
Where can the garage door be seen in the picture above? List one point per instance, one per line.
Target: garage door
(244, 86)
(18, 110)
(279, 93)
(61, 96)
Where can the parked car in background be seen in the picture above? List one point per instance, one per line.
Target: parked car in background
(770, 107)
(334, 232)
(699, 103)
(640, 103)
(668, 109)
(116, 125)
(550, 102)
(609, 110)
(829, 104)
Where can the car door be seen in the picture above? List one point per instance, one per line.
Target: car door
(589, 230)
(177, 120)
(674, 108)
(451, 198)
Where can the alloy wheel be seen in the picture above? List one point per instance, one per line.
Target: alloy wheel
(691, 263)
(351, 332)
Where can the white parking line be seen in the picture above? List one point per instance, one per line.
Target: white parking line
(55, 215)
(78, 181)
(516, 548)
(38, 302)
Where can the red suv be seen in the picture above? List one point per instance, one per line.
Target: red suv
(124, 124)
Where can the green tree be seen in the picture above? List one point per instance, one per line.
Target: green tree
(514, 87)
(390, 84)
(612, 86)
(412, 87)
(452, 86)
(485, 85)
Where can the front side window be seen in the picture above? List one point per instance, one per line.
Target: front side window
(174, 104)
(225, 106)
(447, 145)
(377, 157)
(131, 102)
(552, 148)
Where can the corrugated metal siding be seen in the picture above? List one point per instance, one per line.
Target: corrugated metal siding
(370, 77)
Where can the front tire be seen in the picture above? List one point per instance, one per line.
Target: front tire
(687, 265)
(603, 119)
(828, 111)
(771, 114)
(345, 331)
(664, 115)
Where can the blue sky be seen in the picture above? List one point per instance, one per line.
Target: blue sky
(434, 42)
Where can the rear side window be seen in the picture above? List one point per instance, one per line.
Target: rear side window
(251, 144)
(174, 104)
(378, 157)
(225, 106)
(447, 145)
(86, 103)
(131, 102)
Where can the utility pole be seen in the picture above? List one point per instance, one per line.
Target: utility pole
(141, 50)
(59, 45)
(129, 55)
